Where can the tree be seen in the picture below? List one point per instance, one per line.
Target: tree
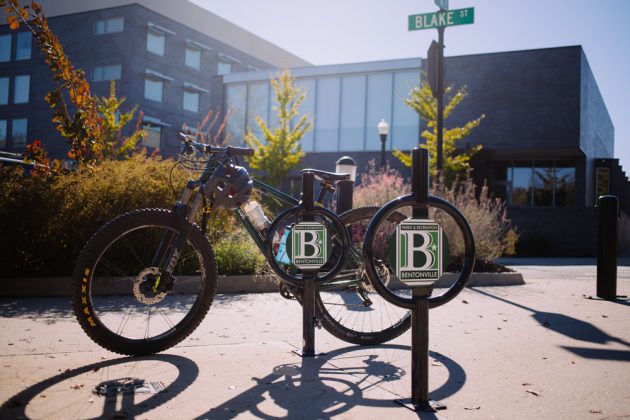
(455, 161)
(281, 150)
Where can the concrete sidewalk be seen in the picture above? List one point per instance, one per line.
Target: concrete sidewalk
(537, 351)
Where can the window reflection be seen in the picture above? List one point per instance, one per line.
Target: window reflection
(541, 186)
(23, 46)
(235, 101)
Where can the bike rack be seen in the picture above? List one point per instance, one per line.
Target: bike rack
(421, 299)
(307, 212)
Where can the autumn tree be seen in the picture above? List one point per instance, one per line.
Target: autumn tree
(280, 150)
(456, 160)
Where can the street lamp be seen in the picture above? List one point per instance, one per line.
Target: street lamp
(345, 188)
(383, 130)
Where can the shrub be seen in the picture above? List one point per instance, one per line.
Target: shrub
(45, 221)
(238, 254)
(492, 230)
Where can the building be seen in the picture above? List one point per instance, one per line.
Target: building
(548, 141)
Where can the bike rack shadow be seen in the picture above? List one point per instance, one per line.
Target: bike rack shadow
(573, 328)
(303, 389)
(188, 371)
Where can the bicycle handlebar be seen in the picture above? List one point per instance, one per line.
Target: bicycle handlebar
(209, 149)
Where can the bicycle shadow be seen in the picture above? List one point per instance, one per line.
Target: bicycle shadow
(330, 385)
(118, 402)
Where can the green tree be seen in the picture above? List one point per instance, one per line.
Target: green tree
(281, 150)
(116, 145)
(455, 161)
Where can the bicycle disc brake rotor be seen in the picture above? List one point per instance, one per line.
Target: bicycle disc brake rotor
(143, 286)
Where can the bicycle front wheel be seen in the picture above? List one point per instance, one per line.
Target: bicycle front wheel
(349, 307)
(114, 295)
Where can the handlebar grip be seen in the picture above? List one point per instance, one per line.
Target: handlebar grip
(239, 151)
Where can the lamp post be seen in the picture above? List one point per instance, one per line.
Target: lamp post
(345, 189)
(383, 130)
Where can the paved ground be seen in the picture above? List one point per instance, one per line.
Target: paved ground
(538, 351)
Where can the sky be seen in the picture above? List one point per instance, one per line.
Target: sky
(348, 31)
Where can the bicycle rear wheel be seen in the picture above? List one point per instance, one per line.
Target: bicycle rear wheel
(113, 295)
(349, 307)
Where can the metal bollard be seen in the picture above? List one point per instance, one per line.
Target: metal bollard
(607, 222)
(344, 196)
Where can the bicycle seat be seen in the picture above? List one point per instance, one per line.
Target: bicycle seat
(327, 176)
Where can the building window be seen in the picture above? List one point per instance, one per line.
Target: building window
(191, 101)
(602, 181)
(18, 132)
(156, 42)
(154, 136)
(541, 184)
(193, 57)
(21, 89)
(5, 48)
(154, 89)
(111, 72)
(224, 67)
(23, 46)
(3, 133)
(108, 26)
(4, 90)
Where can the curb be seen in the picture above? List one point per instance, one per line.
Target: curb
(60, 286)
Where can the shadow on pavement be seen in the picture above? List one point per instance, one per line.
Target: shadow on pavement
(188, 371)
(573, 328)
(331, 384)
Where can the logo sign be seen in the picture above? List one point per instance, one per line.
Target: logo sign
(309, 245)
(442, 18)
(418, 252)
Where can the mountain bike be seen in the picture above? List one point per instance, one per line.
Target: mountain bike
(146, 279)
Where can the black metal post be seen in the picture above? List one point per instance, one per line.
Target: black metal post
(440, 99)
(607, 221)
(308, 304)
(383, 141)
(420, 182)
(345, 189)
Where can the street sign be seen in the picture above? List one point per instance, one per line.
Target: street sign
(435, 67)
(442, 19)
(442, 4)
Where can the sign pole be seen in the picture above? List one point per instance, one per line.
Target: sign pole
(308, 304)
(440, 100)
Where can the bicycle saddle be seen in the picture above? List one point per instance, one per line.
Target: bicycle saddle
(327, 176)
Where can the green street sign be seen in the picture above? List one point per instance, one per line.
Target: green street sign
(309, 245)
(417, 252)
(442, 19)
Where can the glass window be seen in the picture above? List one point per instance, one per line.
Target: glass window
(111, 72)
(236, 97)
(520, 187)
(191, 101)
(379, 106)
(154, 136)
(257, 106)
(154, 89)
(602, 182)
(18, 132)
(156, 42)
(327, 115)
(352, 124)
(306, 108)
(21, 89)
(4, 90)
(5, 47)
(543, 184)
(405, 127)
(224, 68)
(23, 47)
(108, 26)
(3, 133)
(565, 187)
(193, 57)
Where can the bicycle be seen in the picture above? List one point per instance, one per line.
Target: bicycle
(146, 279)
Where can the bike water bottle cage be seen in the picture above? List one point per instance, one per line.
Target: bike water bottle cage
(229, 187)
